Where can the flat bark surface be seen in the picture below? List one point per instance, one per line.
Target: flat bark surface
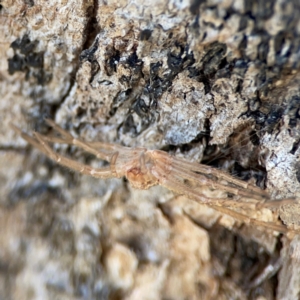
(215, 82)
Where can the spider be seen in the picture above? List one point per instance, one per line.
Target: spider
(145, 168)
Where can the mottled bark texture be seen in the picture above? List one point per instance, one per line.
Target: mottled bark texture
(216, 81)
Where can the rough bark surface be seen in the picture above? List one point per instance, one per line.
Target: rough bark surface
(211, 81)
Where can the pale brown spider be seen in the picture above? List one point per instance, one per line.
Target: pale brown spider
(145, 168)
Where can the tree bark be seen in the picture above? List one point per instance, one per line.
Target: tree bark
(209, 81)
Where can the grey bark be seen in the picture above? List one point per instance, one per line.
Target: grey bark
(210, 81)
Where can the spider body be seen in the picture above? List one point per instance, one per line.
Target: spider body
(145, 168)
(138, 167)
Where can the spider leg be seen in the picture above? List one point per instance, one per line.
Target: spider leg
(101, 154)
(64, 133)
(70, 163)
(246, 219)
(203, 180)
(176, 184)
(58, 140)
(276, 204)
(207, 170)
(251, 193)
(28, 138)
(68, 138)
(89, 147)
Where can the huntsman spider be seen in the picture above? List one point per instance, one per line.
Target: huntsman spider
(145, 168)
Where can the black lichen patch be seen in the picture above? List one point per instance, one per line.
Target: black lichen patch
(128, 126)
(199, 76)
(29, 3)
(285, 43)
(214, 57)
(42, 77)
(145, 34)
(195, 5)
(112, 58)
(213, 65)
(274, 117)
(295, 147)
(140, 108)
(145, 112)
(177, 61)
(293, 111)
(89, 54)
(16, 63)
(155, 86)
(267, 117)
(135, 65)
(258, 116)
(24, 44)
(115, 58)
(297, 167)
(27, 60)
(263, 47)
(121, 97)
(254, 138)
(35, 60)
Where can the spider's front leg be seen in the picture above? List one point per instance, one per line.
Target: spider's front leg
(107, 172)
(67, 138)
(41, 143)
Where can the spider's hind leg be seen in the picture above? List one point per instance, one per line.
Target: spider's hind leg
(251, 221)
(205, 170)
(106, 172)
